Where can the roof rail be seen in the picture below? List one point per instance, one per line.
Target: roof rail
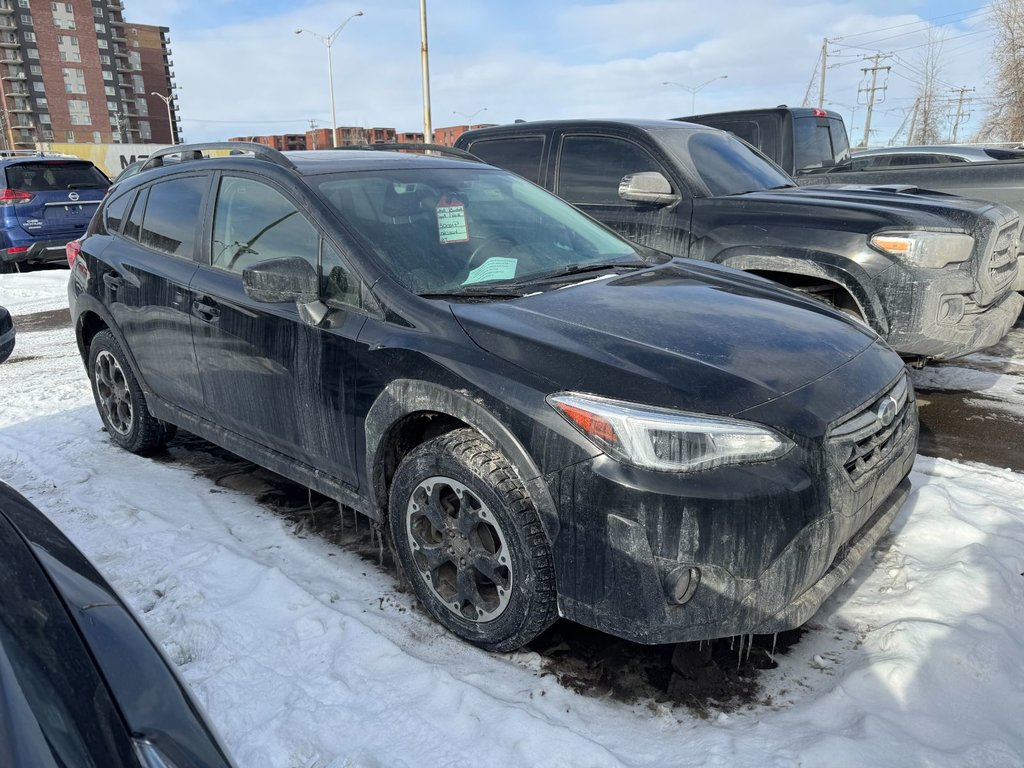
(195, 152)
(31, 153)
(440, 149)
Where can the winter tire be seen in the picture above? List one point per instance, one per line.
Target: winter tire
(470, 541)
(120, 400)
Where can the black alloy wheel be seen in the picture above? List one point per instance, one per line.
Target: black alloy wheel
(470, 541)
(120, 400)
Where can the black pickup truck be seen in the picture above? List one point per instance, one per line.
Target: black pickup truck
(812, 146)
(932, 274)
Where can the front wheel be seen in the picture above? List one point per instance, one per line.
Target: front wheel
(470, 541)
(120, 400)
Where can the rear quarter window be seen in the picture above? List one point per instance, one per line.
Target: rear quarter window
(115, 211)
(54, 177)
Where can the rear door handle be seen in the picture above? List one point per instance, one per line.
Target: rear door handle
(113, 281)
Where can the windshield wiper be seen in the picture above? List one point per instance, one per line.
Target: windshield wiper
(578, 269)
(476, 292)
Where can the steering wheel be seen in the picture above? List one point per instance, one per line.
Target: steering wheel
(490, 243)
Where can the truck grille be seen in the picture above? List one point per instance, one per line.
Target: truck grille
(866, 438)
(999, 265)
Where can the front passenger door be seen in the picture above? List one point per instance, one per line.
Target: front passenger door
(590, 167)
(268, 376)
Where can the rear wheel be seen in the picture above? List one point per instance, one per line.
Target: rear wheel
(120, 400)
(470, 541)
(8, 267)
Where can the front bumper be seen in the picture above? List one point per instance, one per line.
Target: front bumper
(769, 542)
(40, 252)
(916, 309)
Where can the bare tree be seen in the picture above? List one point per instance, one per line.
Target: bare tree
(928, 123)
(1005, 121)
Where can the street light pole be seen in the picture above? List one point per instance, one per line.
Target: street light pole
(469, 118)
(428, 133)
(328, 41)
(170, 120)
(694, 88)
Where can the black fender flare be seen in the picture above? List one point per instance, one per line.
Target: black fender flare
(405, 397)
(840, 270)
(87, 304)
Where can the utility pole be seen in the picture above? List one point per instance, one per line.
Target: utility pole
(959, 109)
(874, 70)
(824, 67)
(312, 131)
(428, 133)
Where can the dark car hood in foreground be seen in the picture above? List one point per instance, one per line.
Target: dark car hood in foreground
(685, 335)
(55, 607)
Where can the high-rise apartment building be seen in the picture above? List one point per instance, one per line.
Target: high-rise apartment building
(76, 72)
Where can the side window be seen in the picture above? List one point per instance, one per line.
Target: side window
(115, 211)
(253, 222)
(918, 159)
(338, 285)
(519, 155)
(133, 227)
(173, 215)
(591, 167)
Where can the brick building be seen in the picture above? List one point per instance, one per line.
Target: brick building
(450, 133)
(75, 72)
(285, 142)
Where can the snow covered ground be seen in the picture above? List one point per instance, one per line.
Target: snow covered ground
(307, 656)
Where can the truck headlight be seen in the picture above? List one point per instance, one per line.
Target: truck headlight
(933, 250)
(667, 440)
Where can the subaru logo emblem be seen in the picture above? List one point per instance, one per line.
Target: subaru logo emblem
(73, 197)
(886, 412)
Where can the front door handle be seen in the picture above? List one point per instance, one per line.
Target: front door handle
(204, 310)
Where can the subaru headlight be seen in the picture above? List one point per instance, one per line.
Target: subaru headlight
(932, 250)
(665, 439)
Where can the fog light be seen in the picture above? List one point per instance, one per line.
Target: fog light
(951, 309)
(680, 583)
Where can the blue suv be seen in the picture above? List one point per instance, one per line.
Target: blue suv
(45, 201)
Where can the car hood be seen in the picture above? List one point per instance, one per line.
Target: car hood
(892, 202)
(683, 335)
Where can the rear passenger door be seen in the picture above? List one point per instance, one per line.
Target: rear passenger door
(267, 375)
(143, 280)
(588, 170)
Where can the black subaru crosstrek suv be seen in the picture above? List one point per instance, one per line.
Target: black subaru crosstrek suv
(549, 420)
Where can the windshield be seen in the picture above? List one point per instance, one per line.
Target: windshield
(726, 165)
(460, 230)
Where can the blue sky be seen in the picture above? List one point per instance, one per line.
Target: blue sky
(243, 71)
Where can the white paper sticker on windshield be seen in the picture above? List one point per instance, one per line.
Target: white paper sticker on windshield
(495, 268)
(451, 220)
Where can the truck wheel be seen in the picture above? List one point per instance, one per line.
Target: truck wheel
(120, 400)
(6, 350)
(470, 541)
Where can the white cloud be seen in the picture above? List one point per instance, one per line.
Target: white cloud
(538, 60)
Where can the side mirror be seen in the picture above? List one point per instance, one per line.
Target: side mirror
(278, 281)
(647, 187)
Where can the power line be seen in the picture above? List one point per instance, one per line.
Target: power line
(966, 12)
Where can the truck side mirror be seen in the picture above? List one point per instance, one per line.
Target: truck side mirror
(647, 187)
